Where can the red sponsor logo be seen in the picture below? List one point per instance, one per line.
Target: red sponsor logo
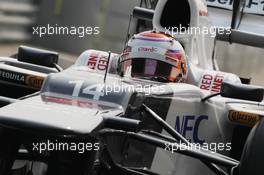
(97, 61)
(212, 83)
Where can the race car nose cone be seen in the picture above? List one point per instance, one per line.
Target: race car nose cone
(50, 118)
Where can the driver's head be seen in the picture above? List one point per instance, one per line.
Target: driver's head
(154, 56)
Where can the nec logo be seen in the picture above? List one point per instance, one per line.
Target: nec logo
(147, 49)
(189, 125)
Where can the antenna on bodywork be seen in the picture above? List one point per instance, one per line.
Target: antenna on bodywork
(108, 62)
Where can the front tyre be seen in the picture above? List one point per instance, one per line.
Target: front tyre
(9, 146)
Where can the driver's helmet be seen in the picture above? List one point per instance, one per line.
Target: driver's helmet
(154, 56)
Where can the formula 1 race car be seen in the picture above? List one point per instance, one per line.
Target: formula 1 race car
(131, 131)
(87, 119)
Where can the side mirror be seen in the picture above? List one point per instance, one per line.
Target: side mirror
(143, 13)
(37, 56)
(243, 92)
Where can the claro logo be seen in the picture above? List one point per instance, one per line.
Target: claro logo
(34, 81)
(147, 49)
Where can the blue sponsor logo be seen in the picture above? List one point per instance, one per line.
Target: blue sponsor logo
(190, 124)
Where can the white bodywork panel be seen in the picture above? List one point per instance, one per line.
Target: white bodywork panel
(97, 60)
(55, 116)
(215, 126)
(198, 122)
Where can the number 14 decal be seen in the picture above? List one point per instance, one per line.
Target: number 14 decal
(96, 90)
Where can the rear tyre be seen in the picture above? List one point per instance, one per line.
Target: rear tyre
(252, 160)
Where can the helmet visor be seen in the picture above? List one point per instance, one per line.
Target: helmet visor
(142, 67)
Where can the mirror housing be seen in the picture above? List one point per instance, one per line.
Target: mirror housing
(243, 92)
(143, 13)
(37, 56)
